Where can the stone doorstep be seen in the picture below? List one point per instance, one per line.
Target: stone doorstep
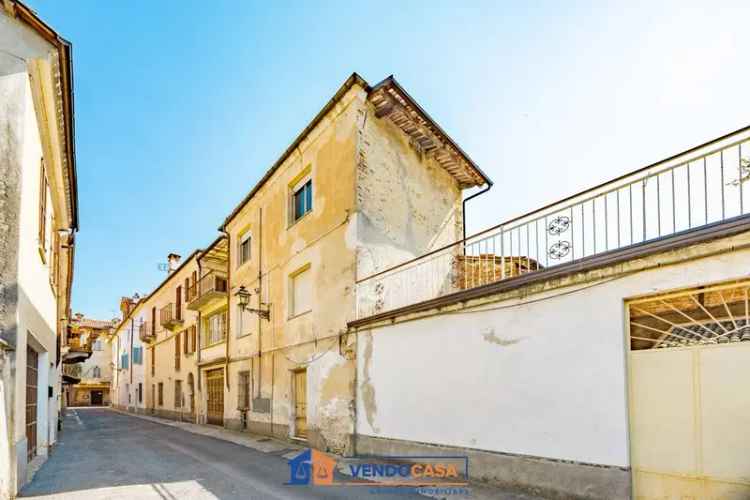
(266, 444)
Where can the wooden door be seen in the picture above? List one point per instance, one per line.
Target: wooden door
(215, 388)
(300, 403)
(32, 360)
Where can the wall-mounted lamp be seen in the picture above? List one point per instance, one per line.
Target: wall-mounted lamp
(243, 298)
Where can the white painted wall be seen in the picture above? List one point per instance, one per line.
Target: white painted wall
(544, 376)
(37, 306)
(122, 385)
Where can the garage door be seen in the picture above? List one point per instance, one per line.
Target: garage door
(689, 400)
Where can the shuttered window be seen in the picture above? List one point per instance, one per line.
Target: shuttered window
(42, 208)
(243, 386)
(153, 361)
(178, 303)
(178, 393)
(185, 341)
(161, 393)
(193, 337)
(177, 352)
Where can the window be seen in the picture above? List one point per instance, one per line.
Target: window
(240, 321)
(216, 328)
(161, 393)
(301, 200)
(185, 341)
(140, 392)
(153, 361)
(300, 289)
(43, 186)
(96, 372)
(137, 355)
(244, 249)
(243, 386)
(124, 361)
(97, 345)
(177, 351)
(153, 321)
(193, 331)
(178, 393)
(178, 304)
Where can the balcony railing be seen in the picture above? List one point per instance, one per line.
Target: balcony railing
(210, 286)
(146, 331)
(170, 316)
(76, 344)
(706, 185)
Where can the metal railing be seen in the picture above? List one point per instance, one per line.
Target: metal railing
(169, 314)
(210, 282)
(146, 331)
(705, 185)
(76, 344)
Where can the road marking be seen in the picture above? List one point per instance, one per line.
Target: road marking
(78, 419)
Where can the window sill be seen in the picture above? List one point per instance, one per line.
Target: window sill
(244, 335)
(208, 346)
(296, 221)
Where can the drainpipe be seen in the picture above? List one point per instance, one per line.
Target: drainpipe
(463, 212)
(198, 329)
(229, 309)
(260, 297)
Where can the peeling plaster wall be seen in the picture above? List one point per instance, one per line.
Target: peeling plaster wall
(322, 239)
(407, 204)
(540, 374)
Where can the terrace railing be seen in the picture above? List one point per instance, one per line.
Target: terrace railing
(703, 186)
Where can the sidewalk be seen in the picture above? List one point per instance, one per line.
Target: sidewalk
(257, 442)
(265, 444)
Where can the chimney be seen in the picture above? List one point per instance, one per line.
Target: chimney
(173, 261)
(126, 305)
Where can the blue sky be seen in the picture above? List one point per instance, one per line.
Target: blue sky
(182, 106)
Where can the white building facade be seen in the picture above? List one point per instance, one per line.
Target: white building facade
(38, 220)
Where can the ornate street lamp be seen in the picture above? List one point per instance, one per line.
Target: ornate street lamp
(243, 298)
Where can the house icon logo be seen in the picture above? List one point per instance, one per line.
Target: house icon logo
(311, 467)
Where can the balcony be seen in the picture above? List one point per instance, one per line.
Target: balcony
(76, 351)
(71, 374)
(170, 317)
(146, 331)
(207, 291)
(698, 192)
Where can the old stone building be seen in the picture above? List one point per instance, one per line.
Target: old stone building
(370, 182)
(263, 310)
(38, 220)
(88, 382)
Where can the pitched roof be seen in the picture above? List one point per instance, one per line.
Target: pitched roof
(393, 102)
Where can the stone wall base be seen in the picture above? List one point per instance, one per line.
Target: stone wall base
(537, 476)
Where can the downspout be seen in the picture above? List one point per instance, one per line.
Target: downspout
(198, 328)
(229, 309)
(130, 364)
(463, 210)
(260, 297)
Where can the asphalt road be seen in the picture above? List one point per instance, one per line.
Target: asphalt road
(102, 454)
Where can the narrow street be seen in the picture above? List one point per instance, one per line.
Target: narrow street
(105, 454)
